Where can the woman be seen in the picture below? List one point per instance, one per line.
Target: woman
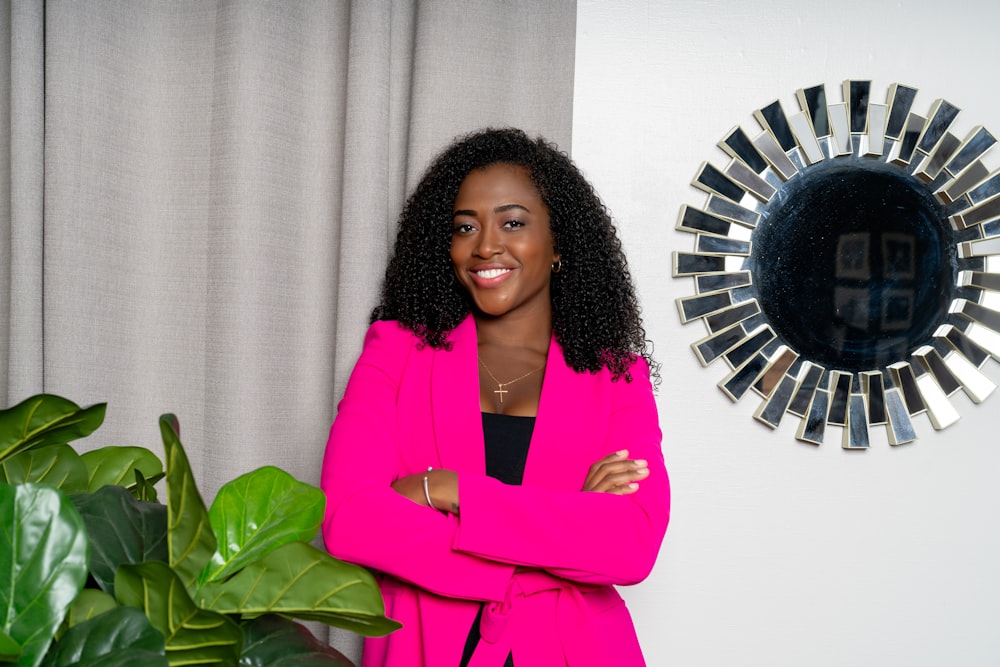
(496, 456)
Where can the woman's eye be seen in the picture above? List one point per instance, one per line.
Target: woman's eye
(513, 224)
(462, 228)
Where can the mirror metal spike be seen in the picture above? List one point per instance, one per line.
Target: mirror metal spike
(813, 102)
(855, 435)
(775, 371)
(934, 164)
(903, 377)
(840, 124)
(748, 179)
(916, 372)
(772, 118)
(974, 383)
(900, 100)
(873, 387)
(803, 132)
(727, 317)
(738, 383)
(711, 180)
(712, 347)
(939, 409)
(985, 338)
(810, 375)
(900, 428)
(941, 116)
(732, 211)
(773, 408)
(908, 141)
(963, 345)
(721, 281)
(693, 307)
(697, 221)
(840, 392)
(726, 246)
(982, 212)
(813, 427)
(755, 342)
(974, 147)
(988, 189)
(876, 129)
(856, 95)
(965, 181)
(769, 148)
(932, 362)
(738, 145)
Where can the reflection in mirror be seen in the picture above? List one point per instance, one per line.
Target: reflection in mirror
(841, 263)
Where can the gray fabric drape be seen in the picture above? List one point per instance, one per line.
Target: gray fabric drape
(21, 190)
(201, 197)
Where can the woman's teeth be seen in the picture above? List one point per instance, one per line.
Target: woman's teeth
(491, 273)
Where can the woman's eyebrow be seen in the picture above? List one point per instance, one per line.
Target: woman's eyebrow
(498, 209)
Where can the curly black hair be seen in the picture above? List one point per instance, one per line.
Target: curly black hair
(595, 313)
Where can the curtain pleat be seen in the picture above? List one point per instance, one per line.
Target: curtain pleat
(21, 190)
(202, 197)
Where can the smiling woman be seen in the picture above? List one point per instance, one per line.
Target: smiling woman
(478, 461)
(502, 246)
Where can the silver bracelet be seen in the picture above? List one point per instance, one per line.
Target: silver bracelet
(427, 492)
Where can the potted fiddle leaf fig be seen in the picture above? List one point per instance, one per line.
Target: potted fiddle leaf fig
(96, 571)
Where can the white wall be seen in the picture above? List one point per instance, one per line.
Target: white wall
(782, 553)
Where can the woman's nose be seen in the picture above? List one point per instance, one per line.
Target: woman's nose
(490, 243)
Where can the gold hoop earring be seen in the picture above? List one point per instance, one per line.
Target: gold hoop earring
(557, 266)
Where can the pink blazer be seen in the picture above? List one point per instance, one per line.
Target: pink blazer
(407, 407)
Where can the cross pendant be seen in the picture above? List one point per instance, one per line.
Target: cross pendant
(500, 392)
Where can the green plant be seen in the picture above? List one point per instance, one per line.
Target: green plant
(95, 571)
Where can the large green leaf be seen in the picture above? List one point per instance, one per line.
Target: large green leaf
(193, 636)
(273, 641)
(126, 657)
(256, 513)
(121, 636)
(88, 604)
(43, 564)
(143, 488)
(190, 539)
(56, 465)
(9, 649)
(46, 420)
(116, 465)
(303, 582)
(122, 530)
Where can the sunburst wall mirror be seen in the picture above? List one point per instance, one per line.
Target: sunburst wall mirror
(846, 264)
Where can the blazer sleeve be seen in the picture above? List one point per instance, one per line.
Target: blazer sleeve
(369, 523)
(589, 537)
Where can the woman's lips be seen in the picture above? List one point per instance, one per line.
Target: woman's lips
(490, 277)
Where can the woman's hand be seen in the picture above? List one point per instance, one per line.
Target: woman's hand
(617, 474)
(441, 484)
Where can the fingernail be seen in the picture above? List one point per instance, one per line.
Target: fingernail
(621, 453)
(640, 463)
(633, 486)
(642, 471)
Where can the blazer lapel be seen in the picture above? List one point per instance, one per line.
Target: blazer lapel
(458, 425)
(565, 419)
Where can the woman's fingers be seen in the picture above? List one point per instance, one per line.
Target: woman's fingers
(616, 474)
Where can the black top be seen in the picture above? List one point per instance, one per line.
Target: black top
(507, 439)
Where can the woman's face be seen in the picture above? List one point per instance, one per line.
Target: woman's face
(501, 243)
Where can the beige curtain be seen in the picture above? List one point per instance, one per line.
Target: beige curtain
(201, 196)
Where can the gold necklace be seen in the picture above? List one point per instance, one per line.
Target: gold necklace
(500, 391)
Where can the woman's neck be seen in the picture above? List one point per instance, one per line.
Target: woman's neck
(533, 332)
